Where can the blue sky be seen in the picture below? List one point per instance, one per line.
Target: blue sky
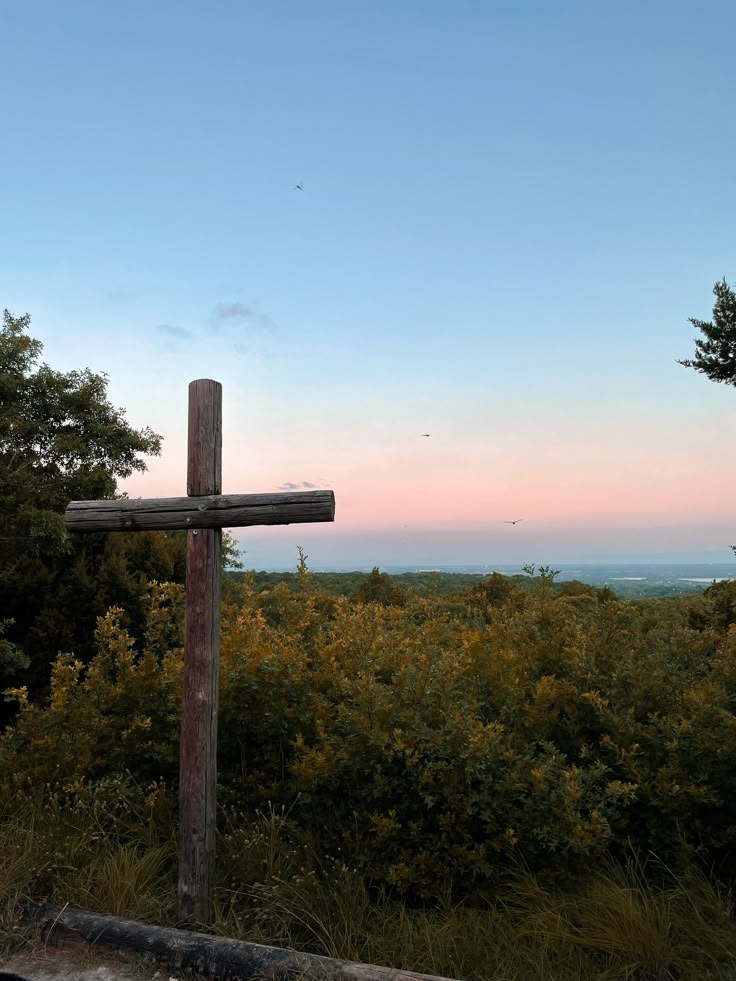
(509, 212)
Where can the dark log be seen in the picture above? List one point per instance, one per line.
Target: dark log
(198, 746)
(204, 955)
(205, 511)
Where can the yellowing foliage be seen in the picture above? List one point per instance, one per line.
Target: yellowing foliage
(430, 743)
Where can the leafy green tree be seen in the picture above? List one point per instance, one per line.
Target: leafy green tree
(715, 351)
(60, 440)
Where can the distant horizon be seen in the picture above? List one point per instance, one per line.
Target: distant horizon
(501, 566)
(334, 547)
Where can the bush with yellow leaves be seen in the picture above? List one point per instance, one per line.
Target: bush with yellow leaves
(430, 747)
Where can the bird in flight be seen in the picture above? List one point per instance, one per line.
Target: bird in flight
(298, 187)
(425, 434)
(513, 522)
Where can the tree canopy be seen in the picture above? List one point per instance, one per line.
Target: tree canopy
(715, 351)
(60, 440)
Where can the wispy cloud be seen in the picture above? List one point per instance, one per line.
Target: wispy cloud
(172, 338)
(230, 312)
(299, 485)
(239, 315)
(119, 294)
(178, 333)
(242, 325)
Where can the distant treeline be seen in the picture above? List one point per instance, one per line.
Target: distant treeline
(431, 583)
(347, 583)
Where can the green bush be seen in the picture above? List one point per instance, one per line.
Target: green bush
(430, 747)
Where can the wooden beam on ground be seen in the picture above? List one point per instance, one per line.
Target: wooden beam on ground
(206, 956)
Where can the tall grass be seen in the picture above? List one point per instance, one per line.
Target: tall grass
(636, 921)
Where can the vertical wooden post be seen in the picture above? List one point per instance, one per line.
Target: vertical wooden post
(198, 752)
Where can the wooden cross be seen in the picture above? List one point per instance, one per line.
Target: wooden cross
(204, 513)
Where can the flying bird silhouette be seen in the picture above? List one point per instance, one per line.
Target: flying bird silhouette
(513, 522)
(298, 187)
(425, 434)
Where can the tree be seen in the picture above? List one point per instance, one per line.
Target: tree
(377, 588)
(715, 352)
(60, 440)
(494, 590)
(715, 355)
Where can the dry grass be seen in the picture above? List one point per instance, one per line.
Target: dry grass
(128, 882)
(637, 922)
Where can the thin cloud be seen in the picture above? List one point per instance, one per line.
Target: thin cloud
(178, 333)
(120, 294)
(172, 338)
(239, 315)
(300, 485)
(230, 312)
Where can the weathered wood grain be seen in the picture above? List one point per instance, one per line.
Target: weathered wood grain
(201, 511)
(204, 438)
(198, 746)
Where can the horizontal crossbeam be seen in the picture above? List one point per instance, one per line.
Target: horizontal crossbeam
(212, 511)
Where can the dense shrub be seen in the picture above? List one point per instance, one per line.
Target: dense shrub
(434, 745)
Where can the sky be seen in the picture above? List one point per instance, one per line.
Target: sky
(509, 211)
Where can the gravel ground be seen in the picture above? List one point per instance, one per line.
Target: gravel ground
(73, 963)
